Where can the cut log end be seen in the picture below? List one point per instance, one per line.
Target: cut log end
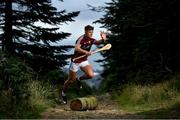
(76, 105)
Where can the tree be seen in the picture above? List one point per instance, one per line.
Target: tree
(143, 34)
(36, 43)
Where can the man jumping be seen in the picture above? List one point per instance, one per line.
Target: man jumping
(82, 47)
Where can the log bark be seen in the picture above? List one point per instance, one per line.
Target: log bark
(84, 103)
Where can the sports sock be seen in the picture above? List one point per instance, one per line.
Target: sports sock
(62, 93)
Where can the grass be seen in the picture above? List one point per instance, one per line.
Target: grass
(22, 95)
(41, 97)
(154, 101)
(171, 112)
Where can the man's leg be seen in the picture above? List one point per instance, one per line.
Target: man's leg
(73, 68)
(88, 72)
(71, 79)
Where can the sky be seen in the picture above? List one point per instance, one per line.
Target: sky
(86, 17)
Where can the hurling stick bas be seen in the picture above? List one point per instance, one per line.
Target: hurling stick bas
(106, 47)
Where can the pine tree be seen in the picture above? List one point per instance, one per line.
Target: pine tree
(21, 35)
(144, 40)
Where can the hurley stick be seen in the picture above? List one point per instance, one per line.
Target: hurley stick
(106, 47)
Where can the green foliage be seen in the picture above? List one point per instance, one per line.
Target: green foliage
(21, 94)
(143, 77)
(41, 97)
(109, 84)
(56, 76)
(22, 35)
(138, 98)
(175, 83)
(143, 34)
(26, 94)
(14, 76)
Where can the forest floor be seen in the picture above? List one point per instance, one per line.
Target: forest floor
(107, 109)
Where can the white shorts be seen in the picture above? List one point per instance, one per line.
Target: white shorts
(75, 66)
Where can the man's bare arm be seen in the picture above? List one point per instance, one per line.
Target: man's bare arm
(98, 42)
(78, 49)
(103, 38)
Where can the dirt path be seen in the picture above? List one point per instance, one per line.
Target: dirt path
(106, 109)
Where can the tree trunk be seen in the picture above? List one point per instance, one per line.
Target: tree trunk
(8, 42)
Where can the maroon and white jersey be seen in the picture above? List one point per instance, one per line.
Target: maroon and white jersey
(86, 44)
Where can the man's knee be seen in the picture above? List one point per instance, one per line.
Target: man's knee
(91, 75)
(71, 80)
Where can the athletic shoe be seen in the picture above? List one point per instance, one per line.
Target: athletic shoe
(64, 99)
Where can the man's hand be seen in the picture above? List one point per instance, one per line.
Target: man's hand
(88, 53)
(103, 35)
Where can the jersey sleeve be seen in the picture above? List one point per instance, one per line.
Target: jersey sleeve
(79, 40)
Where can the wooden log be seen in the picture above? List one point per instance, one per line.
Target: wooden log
(84, 103)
